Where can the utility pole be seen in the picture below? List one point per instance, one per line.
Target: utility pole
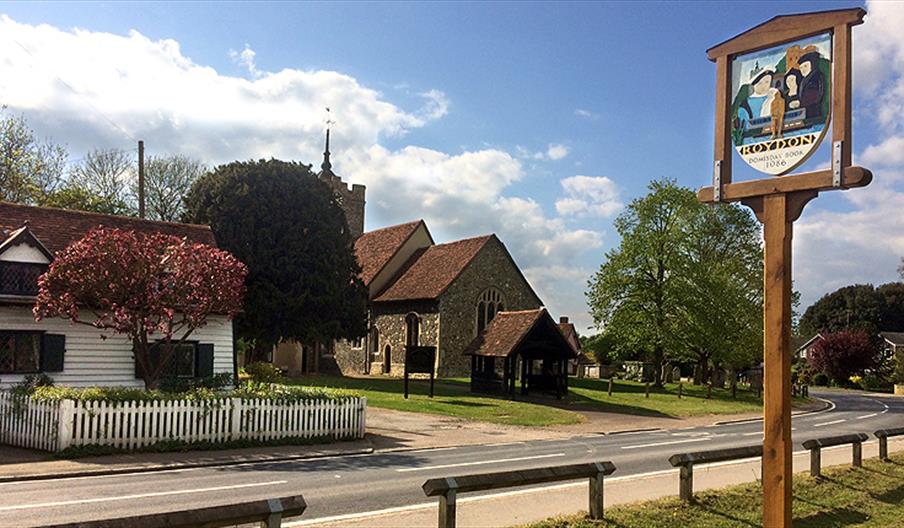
(140, 179)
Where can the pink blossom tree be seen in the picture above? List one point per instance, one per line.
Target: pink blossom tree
(146, 286)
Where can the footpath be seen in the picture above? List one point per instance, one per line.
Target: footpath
(522, 506)
(387, 430)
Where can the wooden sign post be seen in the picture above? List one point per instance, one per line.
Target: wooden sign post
(779, 85)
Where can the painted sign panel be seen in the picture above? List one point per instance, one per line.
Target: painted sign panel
(781, 103)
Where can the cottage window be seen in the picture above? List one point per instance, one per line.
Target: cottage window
(182, 362)
(357, 342)
(20, 278)
(20, 352)
(412, 334)
(489, 304)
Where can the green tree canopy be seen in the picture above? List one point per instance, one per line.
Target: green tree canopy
(29, 168)
(856, 307)
(685, 283)
(288, 228)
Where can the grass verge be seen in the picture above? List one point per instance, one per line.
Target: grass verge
(453, 398)
(872, 496)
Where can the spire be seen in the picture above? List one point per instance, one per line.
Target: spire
(326, 165)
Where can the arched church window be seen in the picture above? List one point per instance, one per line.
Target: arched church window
(489, 304)
(412, 326)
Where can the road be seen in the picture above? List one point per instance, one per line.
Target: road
(352, 484)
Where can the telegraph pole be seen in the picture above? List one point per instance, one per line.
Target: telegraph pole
(140, 179)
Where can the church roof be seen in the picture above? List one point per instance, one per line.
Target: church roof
(375, 249)
(431, 270)
(508, 330)
(57, 228)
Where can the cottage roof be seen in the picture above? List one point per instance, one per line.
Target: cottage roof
(895, 338)
(508, 330)
(374, 249)
(57, 228)
(806, 344)
(431, 270)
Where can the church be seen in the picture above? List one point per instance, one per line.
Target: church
(420, 292)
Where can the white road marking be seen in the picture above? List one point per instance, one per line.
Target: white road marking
(760, 433)
(828, 423)
(140, 496)
(668, 443)
(867, 416)
(479, 463)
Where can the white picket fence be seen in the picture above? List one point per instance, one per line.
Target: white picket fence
(131, 425)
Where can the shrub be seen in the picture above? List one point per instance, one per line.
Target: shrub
(263, 372)
(844, 354)
(899, 366)
(219, 381)
(820, 379)
(247, 391)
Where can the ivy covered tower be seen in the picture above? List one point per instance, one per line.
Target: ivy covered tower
(351, 199)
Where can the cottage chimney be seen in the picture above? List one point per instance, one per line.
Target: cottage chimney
(563, 320)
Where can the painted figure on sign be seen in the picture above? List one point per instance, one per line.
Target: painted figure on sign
(813, 85)
(792, 83)
(759, 102)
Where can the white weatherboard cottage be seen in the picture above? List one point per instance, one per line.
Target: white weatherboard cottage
(71, 354)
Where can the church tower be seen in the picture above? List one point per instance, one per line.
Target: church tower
(351, 199)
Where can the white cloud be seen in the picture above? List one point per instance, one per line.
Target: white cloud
(889, 152)
(864, 241)
(553, 152)
(586, 114)
(245, 58)
(589, 196)
(71, 84)
(564, 287)
(556, 151)
(435, 106)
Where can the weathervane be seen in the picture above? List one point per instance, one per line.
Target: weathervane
(779, 86)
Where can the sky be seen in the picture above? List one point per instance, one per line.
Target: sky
(535, 121)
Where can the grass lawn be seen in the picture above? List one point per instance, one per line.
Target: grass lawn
(453, 398)
(869, 497)
(629, 397)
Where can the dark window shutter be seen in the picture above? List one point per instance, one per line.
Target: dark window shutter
(153, 359)
(53, 351)
(204, 361)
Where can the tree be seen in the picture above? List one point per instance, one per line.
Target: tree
(843, 354)
(287, 226)
(168, 180)
(891, 311)
(852, 307)
(72, 197)
(143, 286)
(637, 293)
(104, 175)
(722, 281)
(29, 168)
(599, 347)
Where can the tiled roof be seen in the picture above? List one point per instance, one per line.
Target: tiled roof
(374, 249)
(431, 270)
(57, 228)
(895, 338)
(509, 329)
